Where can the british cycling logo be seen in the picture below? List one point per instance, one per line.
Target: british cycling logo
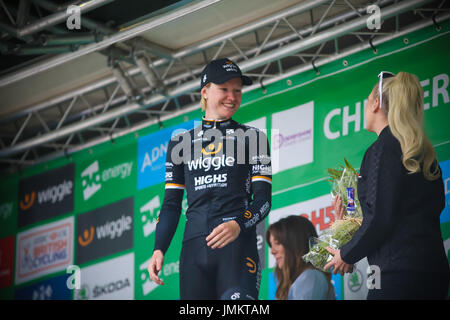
(92, 177)
(44, 249)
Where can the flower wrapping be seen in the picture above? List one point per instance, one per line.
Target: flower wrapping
(343, 184)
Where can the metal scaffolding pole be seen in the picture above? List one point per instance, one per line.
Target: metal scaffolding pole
(196, 48)
(56, 18)
(292, 72)
(121, 36)
(254, 62)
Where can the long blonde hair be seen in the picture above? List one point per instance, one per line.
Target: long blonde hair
(403, 106)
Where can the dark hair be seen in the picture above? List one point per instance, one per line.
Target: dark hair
(293, 232)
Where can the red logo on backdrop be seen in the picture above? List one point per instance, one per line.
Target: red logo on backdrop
(323, 219)
(6, 261)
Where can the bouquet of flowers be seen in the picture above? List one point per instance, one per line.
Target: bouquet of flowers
(343, 184)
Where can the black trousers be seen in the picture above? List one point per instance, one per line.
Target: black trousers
(229, 273)
(411, 286)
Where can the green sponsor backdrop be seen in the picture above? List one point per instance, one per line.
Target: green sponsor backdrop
(106, 176)
(337, 94)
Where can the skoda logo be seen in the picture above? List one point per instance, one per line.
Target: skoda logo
(355, 281)
(83, 293)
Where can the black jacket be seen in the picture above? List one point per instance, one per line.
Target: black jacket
(231, 178)
(401, 227)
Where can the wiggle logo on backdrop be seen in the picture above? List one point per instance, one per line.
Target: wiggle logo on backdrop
(28, 201)
(86, 238)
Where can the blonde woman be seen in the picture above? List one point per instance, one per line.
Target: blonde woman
(228, 186)
(288, 239)
(402, 195)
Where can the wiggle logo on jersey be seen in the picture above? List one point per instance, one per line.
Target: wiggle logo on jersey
(207, 163)
(251, 264)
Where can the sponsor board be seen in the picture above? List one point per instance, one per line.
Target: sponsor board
(109, 280)
(149, 213)
(148, 204)
(104, 231)
(152, 152)
(51, 289)
(293, 137)
(46, 195)
(43, 250)
(106, 174)
(6, 261)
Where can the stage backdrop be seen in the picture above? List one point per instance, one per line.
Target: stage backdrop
(97, 209)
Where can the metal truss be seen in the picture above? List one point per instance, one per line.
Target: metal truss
(150, 84)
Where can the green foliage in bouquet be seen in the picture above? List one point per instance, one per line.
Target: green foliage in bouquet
(341, 231)
(345, 177)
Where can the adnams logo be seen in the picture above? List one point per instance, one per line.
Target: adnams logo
(92, 177)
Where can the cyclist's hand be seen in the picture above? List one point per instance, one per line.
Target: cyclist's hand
(155, 266)
(223, 234)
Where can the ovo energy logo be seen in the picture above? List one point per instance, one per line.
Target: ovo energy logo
(28, 201)
(92, 177)
(88, 174)
(150, 219)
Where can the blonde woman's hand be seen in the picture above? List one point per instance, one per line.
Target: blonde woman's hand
(339, 265)
(338, 208)
(223, 234)
(155, 265)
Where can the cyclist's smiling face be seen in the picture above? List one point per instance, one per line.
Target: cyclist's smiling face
(223, 100)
